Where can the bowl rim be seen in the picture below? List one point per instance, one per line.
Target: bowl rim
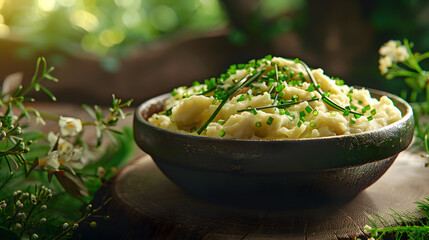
(408, 114)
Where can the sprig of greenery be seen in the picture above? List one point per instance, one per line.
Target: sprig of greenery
(43, 161)
(410, 227)
(103, 124)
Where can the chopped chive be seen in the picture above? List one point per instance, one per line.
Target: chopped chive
(366, 108)
(296, 60)
(313, 124)
(258, 124)
(222, 133)
(346, 112)
(301, 74)
(287, 112)
(271, 73)
(352, 120)
(174, 92)
(168, 112)
(241, 66)
(314, 97)
(281, 94)
(310, 88)
(373, 111)
(302, 114)
(308, 109)
(353, 107)
(299, 124)
(295, 98)
(315, 112)
(360, 102)
(254, 111)
(333, 114)
(270, 120)
(249, 96)
(357, 116)
(268, 57)
(221, 122)
(254, 72)
(339, 82)
(280, 87)
(281, 111)
(370, 118)
(241, 98)
(291, 74)
(196, 83)
(302, 119)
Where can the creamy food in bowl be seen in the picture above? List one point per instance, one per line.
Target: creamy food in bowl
(274, 98)
(273, 129)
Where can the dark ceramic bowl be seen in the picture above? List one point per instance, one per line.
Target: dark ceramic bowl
(234, 170)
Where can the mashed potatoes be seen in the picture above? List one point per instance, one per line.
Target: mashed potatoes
(274, 98)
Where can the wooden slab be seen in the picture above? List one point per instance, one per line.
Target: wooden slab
(147, 205)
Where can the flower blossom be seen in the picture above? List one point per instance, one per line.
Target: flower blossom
(395, 51)
(384, 64)
(65, 155)
(69, 126)
(391, 52)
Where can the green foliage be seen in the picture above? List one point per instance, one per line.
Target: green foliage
(408, 227)
(30, 160)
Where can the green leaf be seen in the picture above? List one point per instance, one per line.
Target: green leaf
(73, 184)
(89, 110)
(7, 234)
(53, 98)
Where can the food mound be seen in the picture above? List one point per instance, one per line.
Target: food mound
(273, 98)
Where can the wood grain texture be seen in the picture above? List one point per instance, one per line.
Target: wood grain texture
(147, 205)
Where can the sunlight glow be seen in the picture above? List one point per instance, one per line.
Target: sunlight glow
(85, 20)
(46, 5)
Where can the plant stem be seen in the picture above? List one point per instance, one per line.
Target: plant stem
(70, 228)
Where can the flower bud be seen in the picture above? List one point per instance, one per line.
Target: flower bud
(19, 204)
(43, 208)
(33, 199)
(65, 226)
(18, 226)
(17, 193)
(2, 134)
(93, 224)
(3, 204)
(75, 226)
(25, 195)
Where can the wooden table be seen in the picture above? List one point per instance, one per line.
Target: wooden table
(146, 205)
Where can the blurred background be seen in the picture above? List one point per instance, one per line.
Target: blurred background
(142, 48)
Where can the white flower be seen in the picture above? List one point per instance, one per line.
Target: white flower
(63, 146)
(384, 64)
(50, 161)
(395, 51)
(66, 155)
(69, 126)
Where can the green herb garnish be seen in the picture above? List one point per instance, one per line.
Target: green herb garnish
(231, 92)
(222, 133)
(325, 98)
(270, 120)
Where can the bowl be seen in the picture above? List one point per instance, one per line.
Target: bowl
(298, 171)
